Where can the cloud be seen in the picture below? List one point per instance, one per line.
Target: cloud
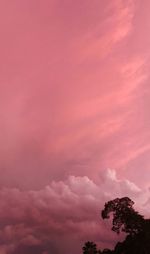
(104, 37)
(74, 99)
(71, 85)
(60, 217)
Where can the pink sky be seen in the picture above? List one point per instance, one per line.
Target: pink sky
(74, 104)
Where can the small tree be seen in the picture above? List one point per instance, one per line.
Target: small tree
(90, 248)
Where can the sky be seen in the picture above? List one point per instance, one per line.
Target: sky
(74, 120)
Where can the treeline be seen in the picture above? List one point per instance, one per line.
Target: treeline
(127, 220)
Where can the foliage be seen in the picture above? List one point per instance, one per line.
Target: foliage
(90, 248)
(125, 219)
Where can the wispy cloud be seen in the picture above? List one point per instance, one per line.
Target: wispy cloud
(116, 26)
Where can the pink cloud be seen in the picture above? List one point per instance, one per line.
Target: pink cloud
(62, 215)
(115, 27)
(70, 86)
(74, 100)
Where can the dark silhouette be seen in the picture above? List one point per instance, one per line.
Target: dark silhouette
(125, 219)
(90, 248)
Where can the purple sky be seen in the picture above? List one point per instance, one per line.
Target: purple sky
(75, 117)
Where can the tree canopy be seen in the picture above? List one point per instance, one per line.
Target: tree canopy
(124, 219)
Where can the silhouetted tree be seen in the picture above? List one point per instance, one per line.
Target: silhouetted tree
(125, 218)
(90, 248)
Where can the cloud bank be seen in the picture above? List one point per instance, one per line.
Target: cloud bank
(62, 216)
